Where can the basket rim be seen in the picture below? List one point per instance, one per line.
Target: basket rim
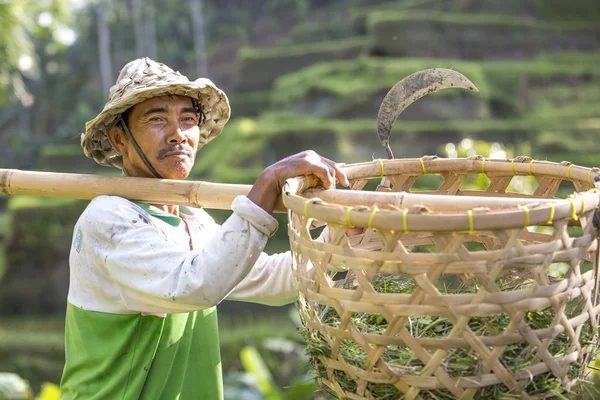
(410, 212)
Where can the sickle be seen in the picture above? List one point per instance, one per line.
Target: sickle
(410, 89)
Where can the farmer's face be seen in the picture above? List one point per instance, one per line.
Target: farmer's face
(166, 129)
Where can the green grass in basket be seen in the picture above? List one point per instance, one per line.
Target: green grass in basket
(458, 362)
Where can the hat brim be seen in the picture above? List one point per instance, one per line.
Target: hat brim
(213, 101)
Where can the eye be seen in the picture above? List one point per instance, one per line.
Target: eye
(156, 119)
(190, 119)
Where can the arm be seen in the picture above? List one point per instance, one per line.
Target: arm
(151, 274)
(272, 280)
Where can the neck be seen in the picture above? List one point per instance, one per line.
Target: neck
(171, 209)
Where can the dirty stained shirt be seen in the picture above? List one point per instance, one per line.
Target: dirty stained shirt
(141, 319)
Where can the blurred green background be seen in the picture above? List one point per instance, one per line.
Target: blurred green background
(300, 74)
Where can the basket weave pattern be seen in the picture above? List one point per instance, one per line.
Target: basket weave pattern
(499, 256)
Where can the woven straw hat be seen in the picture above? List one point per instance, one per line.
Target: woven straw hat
(141, 80)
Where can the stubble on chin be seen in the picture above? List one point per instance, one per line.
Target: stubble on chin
(180, 169)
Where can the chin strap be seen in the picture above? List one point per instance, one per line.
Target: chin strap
(137, 148)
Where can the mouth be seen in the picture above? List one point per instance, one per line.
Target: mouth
(179, 154)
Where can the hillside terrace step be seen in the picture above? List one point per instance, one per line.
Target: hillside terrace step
(354, 88)
(258, 68)
(475, 36)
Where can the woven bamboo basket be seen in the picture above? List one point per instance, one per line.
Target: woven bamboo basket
(467, 258)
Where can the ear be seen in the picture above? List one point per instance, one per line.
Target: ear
(117, 139)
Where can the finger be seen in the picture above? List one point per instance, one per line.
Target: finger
(341, 175)
(325, 173)
(321, 167)
(330, 176)
(338, 172)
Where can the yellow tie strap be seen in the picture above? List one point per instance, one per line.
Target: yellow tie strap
(348, 223)
(531, 167)
(512, 166)
(569, 172)
(306, 203)
(526, 210)
(382, 170)
(574, 216)
(471, 224)
(551, 217)
(590, 178)
(483, 166)
(370, 225)
(405, 220)
(423, 166)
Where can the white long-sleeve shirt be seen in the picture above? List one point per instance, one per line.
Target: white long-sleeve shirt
(130, 258)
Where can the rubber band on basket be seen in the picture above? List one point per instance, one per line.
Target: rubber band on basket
(382, 170)
(512, 166)
(590, 178)
(405, 220)
(551, 216)
(471, 224)
(569, 172)
(423, 166)
(483, 166)
(370, 224)
(526, 210)
(574, 216)
(348, 223)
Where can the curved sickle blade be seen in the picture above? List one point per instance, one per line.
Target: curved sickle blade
(410, 89)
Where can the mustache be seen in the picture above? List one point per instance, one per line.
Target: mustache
(173, 148)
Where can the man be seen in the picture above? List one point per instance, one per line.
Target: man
(145, 279)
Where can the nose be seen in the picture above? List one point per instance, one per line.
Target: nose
(176, 134)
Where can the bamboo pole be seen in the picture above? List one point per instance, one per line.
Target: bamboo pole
(220, 196)
(211, 195)
(433, 201)
(148, 190)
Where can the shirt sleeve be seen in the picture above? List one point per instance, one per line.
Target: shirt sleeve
(154, 275)
(272, 280)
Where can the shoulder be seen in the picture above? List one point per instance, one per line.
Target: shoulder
(113, 210)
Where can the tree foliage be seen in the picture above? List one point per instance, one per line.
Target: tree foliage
(21, 21)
